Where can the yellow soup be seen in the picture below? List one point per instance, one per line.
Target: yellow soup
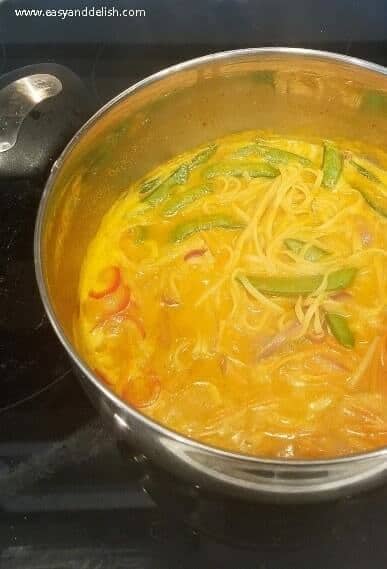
(238, 295)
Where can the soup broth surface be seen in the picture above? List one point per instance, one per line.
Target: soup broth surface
(238, 295)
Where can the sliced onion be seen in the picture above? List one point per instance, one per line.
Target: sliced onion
(223, 364)
(194, 253)
(169, 301)
(341, 296)
(316, 338)
(138, 324)
(278, 340)
(330, 362)
(143, 390)
(115, 302)
(366, 237)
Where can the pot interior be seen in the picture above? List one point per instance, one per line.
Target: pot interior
(290, 92)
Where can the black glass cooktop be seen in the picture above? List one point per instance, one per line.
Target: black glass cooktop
(73, 497)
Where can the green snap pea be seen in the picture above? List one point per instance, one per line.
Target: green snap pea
(338, 325)
(368, 185)
(160, 194)
(180, 176)
(364, 172)
(332, 166)
(179, 202)
(203, 156)
(204, 223)
(271, 154)
(164, 190)
(254, 170)
(160, 188)
(150, 185)
(301, 285)
(312, 253)
(378, 202)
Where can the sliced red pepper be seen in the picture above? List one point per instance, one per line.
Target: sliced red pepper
(142, 391)
(194, 253)
(108, 281)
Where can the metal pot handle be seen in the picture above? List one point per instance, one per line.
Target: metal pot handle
(41, 107)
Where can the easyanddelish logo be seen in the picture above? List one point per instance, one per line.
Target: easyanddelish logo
(86, 12)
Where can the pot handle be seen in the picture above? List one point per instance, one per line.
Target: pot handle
(41, 107)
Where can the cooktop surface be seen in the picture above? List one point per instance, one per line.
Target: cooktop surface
(71, 496)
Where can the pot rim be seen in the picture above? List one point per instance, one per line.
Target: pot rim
(43, 290)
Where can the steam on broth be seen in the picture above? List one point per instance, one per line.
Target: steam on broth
(238, 295)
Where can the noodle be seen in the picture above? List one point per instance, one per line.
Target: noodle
(246, 298)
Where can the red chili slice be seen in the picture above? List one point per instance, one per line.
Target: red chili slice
(108, 281)
(142, 391)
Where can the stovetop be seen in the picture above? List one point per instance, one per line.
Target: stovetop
(74, 497)
(71, 496)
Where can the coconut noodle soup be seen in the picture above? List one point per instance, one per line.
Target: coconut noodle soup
(238, 295)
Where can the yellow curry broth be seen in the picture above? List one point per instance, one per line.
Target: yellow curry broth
(172, 320)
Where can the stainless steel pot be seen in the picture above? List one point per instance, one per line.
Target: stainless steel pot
(292, 91)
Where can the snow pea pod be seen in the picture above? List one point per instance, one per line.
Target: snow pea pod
(202, 156)
(301, 285)
(368, 185)
(332, 166)
(271, 154)
(180, 175)
(254, 170)
(180, 201)
(364, 172)
(338, 325)
(312, 253)
(164, 190)
(204, 223)
(150, 185)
